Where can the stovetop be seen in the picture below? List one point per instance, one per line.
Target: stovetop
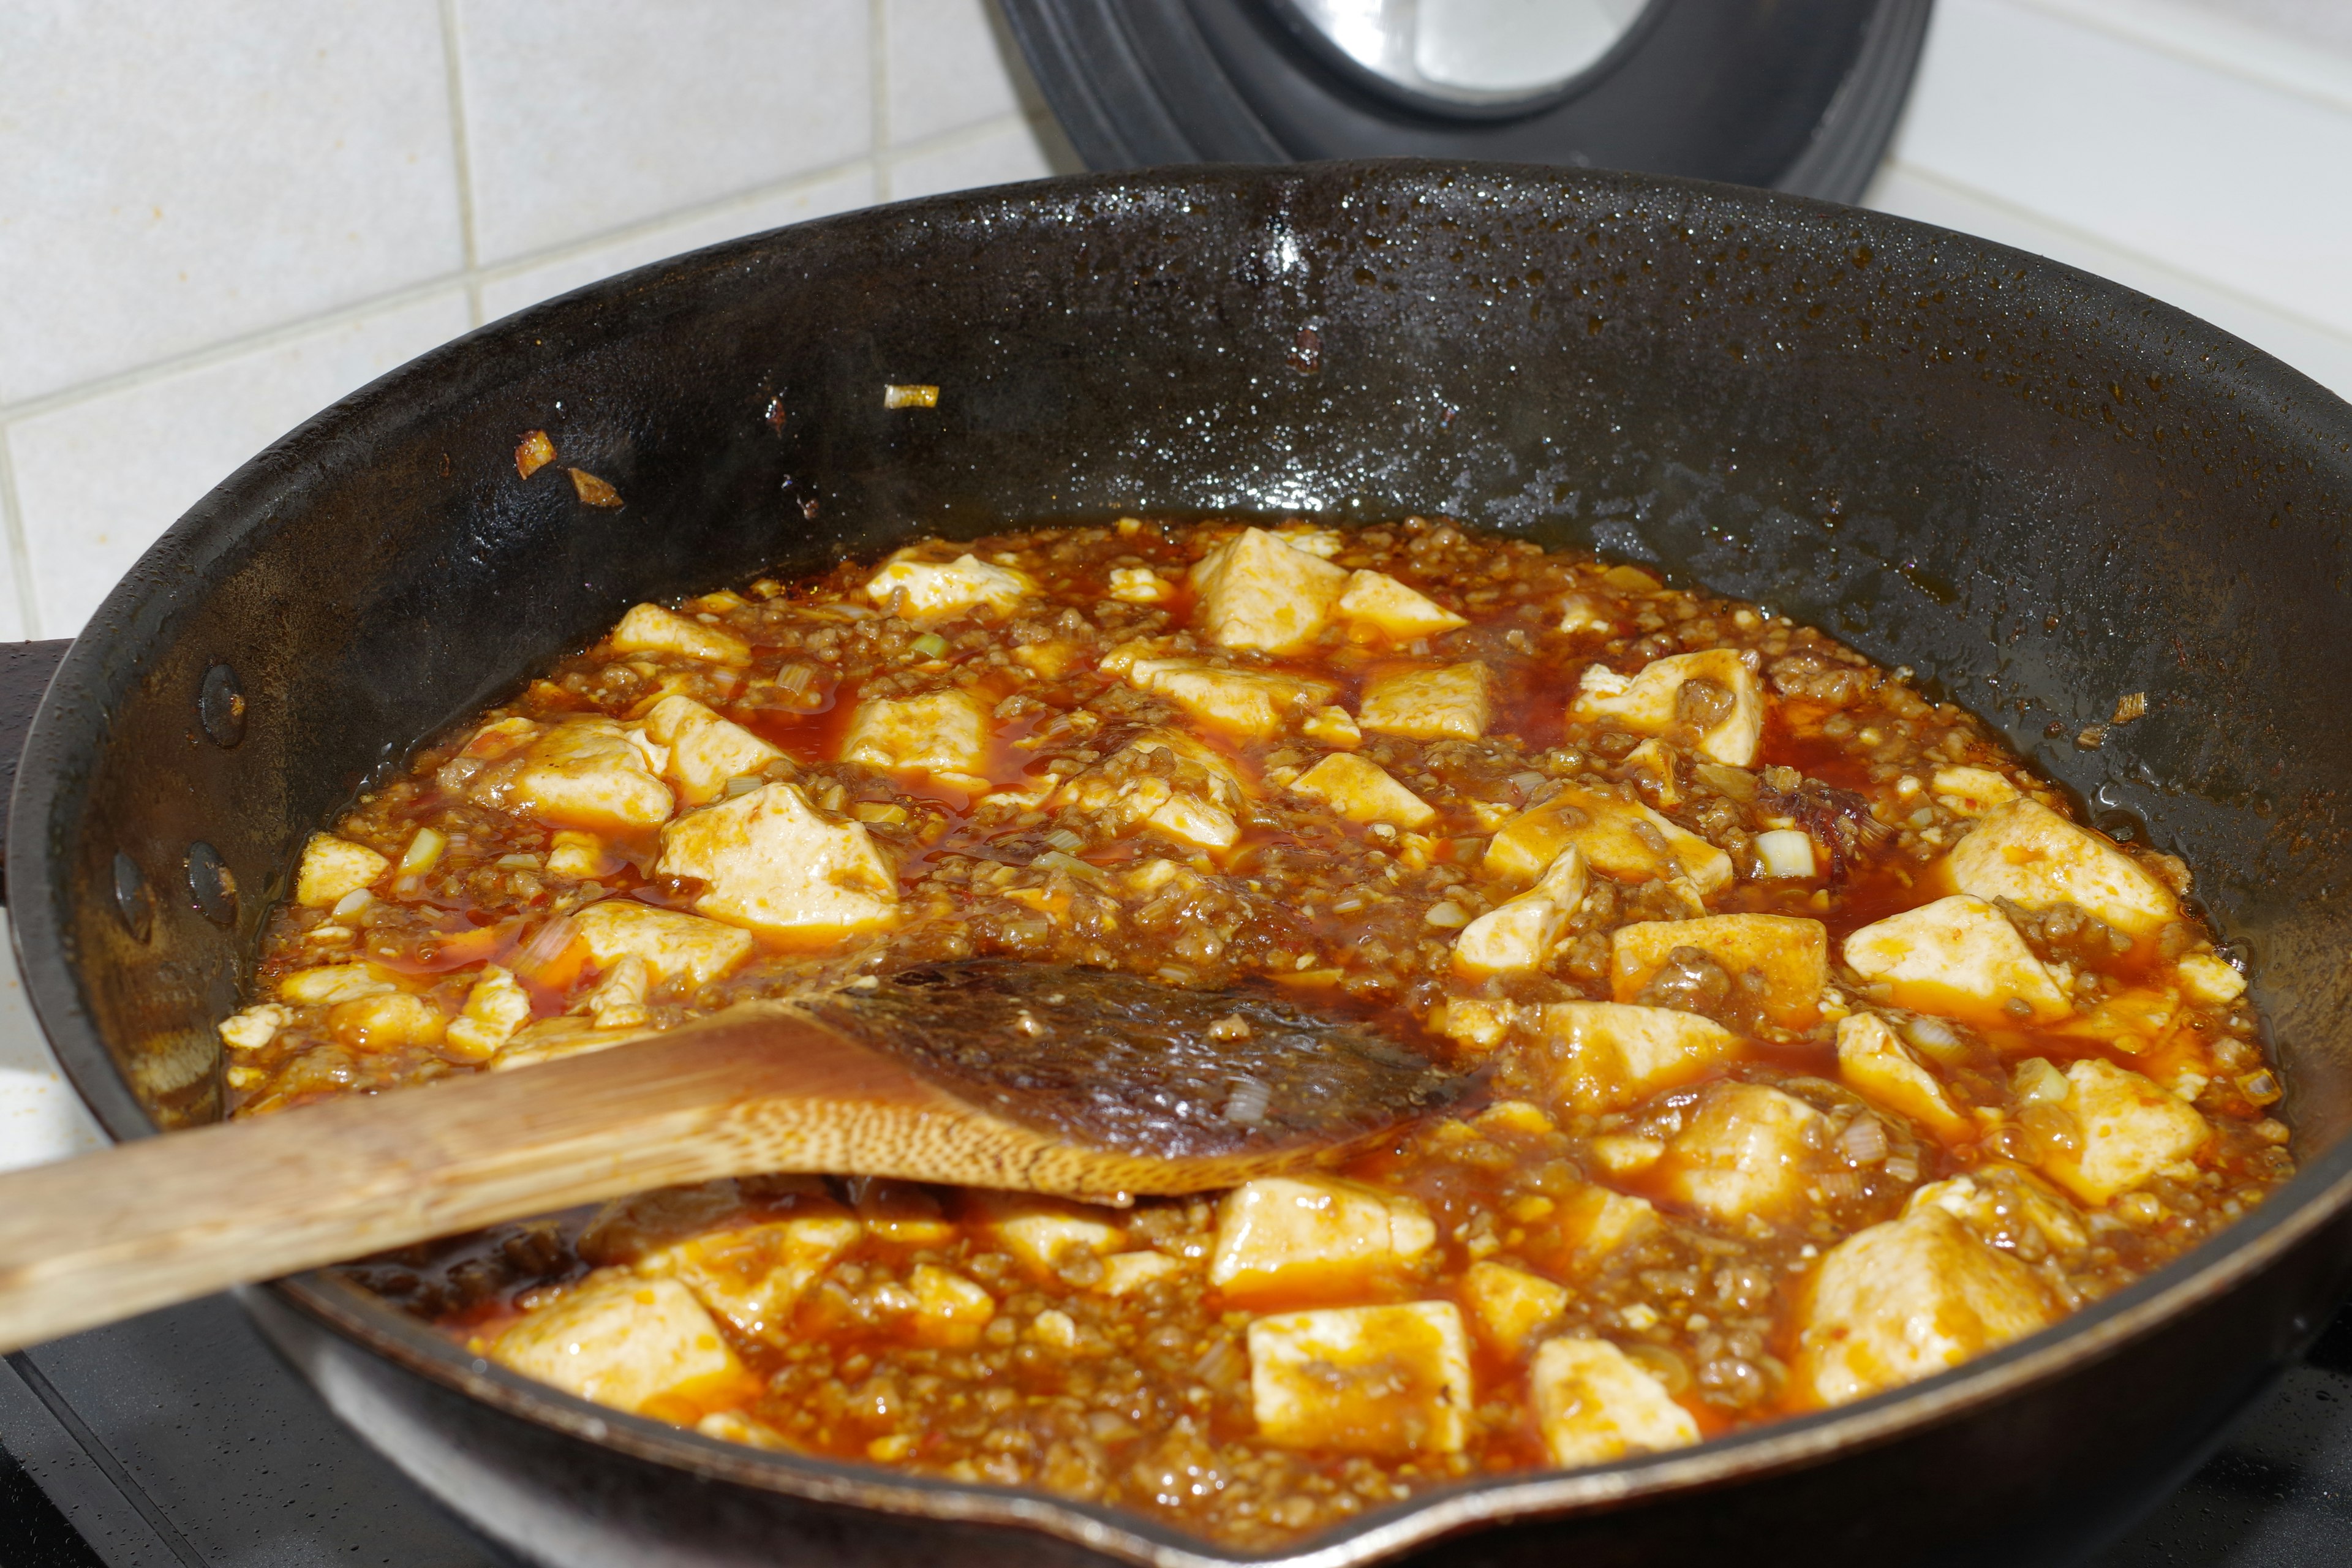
(179, 1440)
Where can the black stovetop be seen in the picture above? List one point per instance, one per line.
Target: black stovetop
(179, 1440)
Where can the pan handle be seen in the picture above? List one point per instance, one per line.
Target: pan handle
(25, 669)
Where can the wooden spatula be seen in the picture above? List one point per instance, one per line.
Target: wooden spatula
(1033, 1077)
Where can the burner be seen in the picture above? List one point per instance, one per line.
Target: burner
(179, 1440)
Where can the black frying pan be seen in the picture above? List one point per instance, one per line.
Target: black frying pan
(2039, 489)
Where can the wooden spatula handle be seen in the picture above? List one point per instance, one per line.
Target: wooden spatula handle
(167, 1219)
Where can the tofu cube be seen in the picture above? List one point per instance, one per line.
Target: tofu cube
(588, 773)
(581, 857)
(950, 1310)
(1593, 1224)
(1729, 720)
(937, 591)
(1960, 958)
(1045, 1233)
(2211, 979)
(637, 1345)
(1604, 828)
(2132, 1128)
(1509, 1305)
(1258, 592)
(1972, 792)
(1377, 602)
(1247, 704)
(253, 1027)
(1196, 805)
(944, 734)
(1453, 702)
(1520, 933)
(649, 628)
(386, 1023)
(1604, 1055)
(1786, 852)
(1876, 1065)
(752, 1276)
(1999, 1198)
(1782, 960)
(1139, 586)
(495, 1008)
(1313, 1236)
(1125, 1273)
(1594, 1403)
(1389, 1381)
(333, 867)
(1745, 1152)
(1362, 790)
(1906, 1300)
(1334, 727)
(333, 983)
(773, 864)
(672, 944)
(2135, 1020)
(903, 1214)
(2027, 853)
(704, 749)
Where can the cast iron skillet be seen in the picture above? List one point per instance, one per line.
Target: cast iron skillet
(2038, 489)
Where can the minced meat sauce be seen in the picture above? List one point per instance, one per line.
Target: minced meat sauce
(1818, 1048)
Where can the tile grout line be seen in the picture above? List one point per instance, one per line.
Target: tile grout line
(20, 554)
(461, 152)
(2011, 209)
(232, 348)
(877, 83)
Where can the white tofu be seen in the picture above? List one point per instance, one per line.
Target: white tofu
(1581, 613)
(633, 1344)
(1906, 1300)
(1604, 1056)
(1594, 1222)
(2027, 853)
(1649, 701)
(1195, 810)
(1454, 702)
(1301, 1235)
(1044, 1233)
(1377, 602)
(588, 773)
(386, 1021)
(2134, 1020)
(581, 857)
(1247, 704)
(1125, 1273)
(773, 864)
(1139, 586)
(1333, 727)
(1362, 790)
(754, 1275)
(1790, 956)
(1876, 1065)
(333, 982)
(950, 1310)
(617, 1000)
(253, 1027)
(1787, 852)
(1745, 1152)
(495, 1008)
(1602, 826)
(940, 592)
(2211, 979)
(333, 867)
(649, 628)
(2131, 1126)
(1392, 1380)
(1657, 758)
(1509, 1305)
(1520, 933)
(1258, 592)
(1960, 958)
(703, 749)
(1594, 1403)
(1972, 792)
(672, 943)
(1320, 542)
(944, 734)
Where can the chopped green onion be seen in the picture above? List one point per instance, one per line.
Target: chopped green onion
(930, 644)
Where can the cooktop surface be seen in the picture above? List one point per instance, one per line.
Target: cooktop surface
(179, 1440)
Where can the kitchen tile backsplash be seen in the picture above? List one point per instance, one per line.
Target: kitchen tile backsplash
(218, 216)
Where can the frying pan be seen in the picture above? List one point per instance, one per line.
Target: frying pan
(2038, 489)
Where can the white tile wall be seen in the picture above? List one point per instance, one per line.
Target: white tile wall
(218, 216)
